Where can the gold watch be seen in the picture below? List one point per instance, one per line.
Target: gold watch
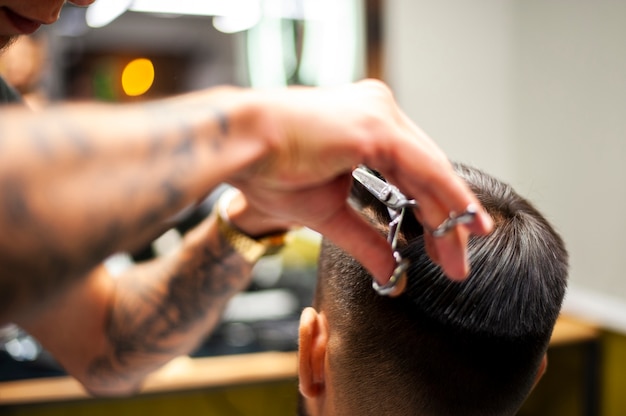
(251, 249)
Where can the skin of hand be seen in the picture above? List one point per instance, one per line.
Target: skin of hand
(320, 135)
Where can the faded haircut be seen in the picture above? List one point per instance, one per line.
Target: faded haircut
(446, 348)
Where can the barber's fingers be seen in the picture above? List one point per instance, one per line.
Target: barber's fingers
(440, 192)
(438, 182)
(450, 252)
(348, 230)
(353, 234)
(450, 249)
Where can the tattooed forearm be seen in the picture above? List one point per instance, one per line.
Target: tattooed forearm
(222, 119)
(215, 138)
(80, 183)
(46, 258)
(156, 317)
(118, 199)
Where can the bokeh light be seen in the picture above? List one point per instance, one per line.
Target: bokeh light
(137, 77)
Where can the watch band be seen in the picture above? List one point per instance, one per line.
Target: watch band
(251, 249)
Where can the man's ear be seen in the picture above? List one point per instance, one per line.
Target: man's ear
(542, 369)
(313, 339)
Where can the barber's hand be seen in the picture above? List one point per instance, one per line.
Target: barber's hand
(319, 136)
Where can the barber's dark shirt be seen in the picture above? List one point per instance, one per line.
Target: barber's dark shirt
(8, 94)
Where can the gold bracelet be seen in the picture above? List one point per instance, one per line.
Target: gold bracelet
(251, 249)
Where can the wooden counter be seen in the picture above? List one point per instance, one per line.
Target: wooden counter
(185, 373)
(570, 330)
(182, 373)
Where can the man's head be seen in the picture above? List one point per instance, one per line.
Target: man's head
(441, 348)
(23, 17)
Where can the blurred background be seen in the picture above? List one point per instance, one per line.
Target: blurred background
(531, 91)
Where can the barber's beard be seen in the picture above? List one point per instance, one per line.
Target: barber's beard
(6, 41)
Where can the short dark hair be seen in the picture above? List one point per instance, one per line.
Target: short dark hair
(446, 347)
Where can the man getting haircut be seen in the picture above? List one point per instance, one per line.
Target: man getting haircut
(443, 347)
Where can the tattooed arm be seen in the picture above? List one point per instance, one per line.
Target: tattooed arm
(79, 182)
(111, 332)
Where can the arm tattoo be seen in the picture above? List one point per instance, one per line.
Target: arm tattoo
(46, 263)
(147, 327)
(46, 257)
(160, 112)
(222, 120)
